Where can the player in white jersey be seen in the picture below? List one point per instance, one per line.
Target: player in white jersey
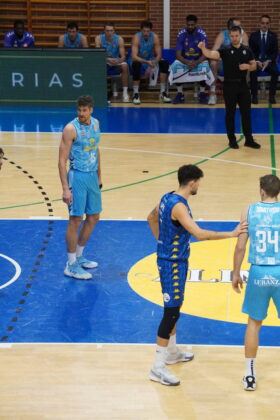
(264, 275)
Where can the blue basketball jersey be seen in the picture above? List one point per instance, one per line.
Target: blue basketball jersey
(264, 229)
(174, 240)
(72, 44)
(146, 47)
(112, 47)
(84, 150)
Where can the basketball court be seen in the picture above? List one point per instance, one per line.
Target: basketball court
(83, 349)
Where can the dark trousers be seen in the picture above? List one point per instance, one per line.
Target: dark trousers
(273, 71)
(238, 93)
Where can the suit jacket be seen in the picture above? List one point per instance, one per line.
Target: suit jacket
(271, 45)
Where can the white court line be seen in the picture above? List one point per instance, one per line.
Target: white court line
(100, 345)
(17, 273)
(169, 154)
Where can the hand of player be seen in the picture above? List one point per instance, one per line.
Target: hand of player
(244, 66)
(151, 63)
(191, 64)
(240, 228)
(237, 283)
(201, 45)
(67, 197)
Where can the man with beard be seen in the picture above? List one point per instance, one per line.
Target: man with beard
(172, 225)
(188, 52)
(19, 37)
(237, 60)
(81, 186)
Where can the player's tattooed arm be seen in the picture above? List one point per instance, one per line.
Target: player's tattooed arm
(153, 221)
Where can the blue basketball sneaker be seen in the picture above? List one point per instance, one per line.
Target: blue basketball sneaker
(76, 271)
(202, 97)
(179, 98)
(85, 263)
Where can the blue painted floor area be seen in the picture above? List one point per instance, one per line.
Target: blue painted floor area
(134, 120)
(45, 306)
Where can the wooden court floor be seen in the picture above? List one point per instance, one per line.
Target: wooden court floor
(95, 381)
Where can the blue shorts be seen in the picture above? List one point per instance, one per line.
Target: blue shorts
(263, 285)
(173, 277)
(86, 195)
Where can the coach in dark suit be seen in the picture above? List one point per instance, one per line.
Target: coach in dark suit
(264, 45)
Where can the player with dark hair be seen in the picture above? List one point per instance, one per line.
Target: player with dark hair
(146, 57)
(1, 157)
(81, 186)
(188, 54)
(19, 37)
(172, 225)
(73, 38)
(264, 276)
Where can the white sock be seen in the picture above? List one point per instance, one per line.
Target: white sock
(180, 88)
(162, 87)
(171, 348)
(71, 257)
(202, 89)
(250, 366)
(160, 356)
(79, 251)
(125, 90)
(213, 88)
(135, 89)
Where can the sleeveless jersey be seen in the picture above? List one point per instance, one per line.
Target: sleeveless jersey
(174, 240)
(146, 47)
(227, 40)
(84, 150)
(264, 233)
(112, 48)
(69, 44)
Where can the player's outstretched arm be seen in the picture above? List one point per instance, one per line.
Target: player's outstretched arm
(214, 55)
(181, 214)
(153, 222)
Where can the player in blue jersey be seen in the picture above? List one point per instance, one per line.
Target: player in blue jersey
(223, 40)
(188, 53)
(146, 59)
(264, 275)
(172, 225)
(19, 37)
(72, 38)
(116, 60)
(81, 186)
(1, 157)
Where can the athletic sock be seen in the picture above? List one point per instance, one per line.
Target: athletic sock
(179, 88)
(160, 356)
(172, 348)
(250, 366)
(79, 251)
(135, 89)
(213, 89)
(125, 90)
(162, 87)
(201, 89)
(71, 257)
